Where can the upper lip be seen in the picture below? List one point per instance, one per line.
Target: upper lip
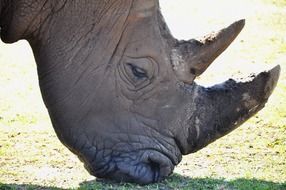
(170, 156)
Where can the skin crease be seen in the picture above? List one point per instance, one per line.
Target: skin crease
(106, 73)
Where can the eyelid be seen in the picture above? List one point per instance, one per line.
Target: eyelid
(141, 62)
(137, 71)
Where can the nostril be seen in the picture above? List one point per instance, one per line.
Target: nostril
(155, 168)
(160, 166)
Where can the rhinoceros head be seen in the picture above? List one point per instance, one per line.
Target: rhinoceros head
(120, 88)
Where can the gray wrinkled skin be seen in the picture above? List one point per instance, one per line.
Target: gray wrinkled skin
(120, 89)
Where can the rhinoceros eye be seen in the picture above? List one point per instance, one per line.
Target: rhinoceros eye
(138, 72)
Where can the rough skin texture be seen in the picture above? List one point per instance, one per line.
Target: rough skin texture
(120, 89)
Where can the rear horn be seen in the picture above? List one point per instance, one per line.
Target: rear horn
(191, 58)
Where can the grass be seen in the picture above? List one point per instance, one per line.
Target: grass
(251, 157)
(175, 182)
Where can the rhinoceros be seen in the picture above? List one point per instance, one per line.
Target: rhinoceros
(120, 89)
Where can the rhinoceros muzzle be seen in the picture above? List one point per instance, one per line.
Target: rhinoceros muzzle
(147, 166)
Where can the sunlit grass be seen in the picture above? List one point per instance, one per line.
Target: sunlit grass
(279, 3)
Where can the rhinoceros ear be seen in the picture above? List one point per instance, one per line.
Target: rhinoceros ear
(191, 58)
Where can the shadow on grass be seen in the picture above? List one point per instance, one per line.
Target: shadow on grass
(174, 182)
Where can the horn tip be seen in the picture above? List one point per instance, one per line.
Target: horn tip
(238, 24)
(241, 21)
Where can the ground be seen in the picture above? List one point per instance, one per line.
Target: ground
(251, 157)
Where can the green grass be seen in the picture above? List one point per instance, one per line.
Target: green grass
(175, 182)
(185, 183)
(251, 157)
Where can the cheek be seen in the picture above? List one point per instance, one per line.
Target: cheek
(152, 104)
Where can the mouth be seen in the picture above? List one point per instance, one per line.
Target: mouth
(151, 166)
(143, 167)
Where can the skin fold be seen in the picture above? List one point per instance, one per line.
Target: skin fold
(120, 88)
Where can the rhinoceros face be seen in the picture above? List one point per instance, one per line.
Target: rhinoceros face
(120, 89)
